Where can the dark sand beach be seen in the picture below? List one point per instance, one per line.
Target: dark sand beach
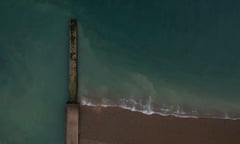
(99, 125)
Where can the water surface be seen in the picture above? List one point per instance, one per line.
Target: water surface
(169, 57)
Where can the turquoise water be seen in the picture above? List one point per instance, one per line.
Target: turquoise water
(182, 56)
(168, 57)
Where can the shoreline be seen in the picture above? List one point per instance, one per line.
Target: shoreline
(112, 125)
(151, 112)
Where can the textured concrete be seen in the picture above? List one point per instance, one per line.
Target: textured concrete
(72, 124)
(73, 74)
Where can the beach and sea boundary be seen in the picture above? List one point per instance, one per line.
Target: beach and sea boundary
(116, 124)
(113, 125)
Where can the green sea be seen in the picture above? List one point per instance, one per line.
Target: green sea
(167, 57)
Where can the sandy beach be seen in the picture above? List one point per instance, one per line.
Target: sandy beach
(111, 125)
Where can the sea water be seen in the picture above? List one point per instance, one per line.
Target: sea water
(166, 57)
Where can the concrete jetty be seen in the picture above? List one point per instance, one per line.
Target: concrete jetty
(72, 108)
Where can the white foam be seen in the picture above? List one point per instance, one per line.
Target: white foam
(148, 111)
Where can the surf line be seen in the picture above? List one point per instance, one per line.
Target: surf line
(72, 108)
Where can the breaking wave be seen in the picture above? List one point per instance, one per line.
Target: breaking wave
(149, 109)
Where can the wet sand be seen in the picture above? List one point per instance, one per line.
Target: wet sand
(99, 125)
